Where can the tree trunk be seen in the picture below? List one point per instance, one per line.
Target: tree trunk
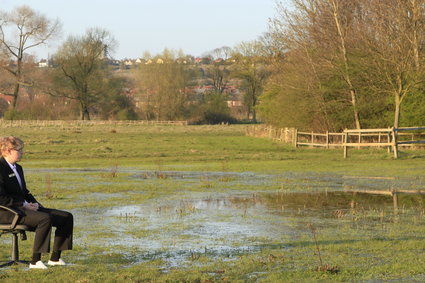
(254, 103)
(355, 111)
(85, 113)
(346, 64)
(15, 96)
(18, 80)
(415, 23)
(397, 111)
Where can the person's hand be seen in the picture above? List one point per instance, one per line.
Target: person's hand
(36, 205)
(31, 206)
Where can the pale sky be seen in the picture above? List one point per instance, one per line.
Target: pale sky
(195, 26)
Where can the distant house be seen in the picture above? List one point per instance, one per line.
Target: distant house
(234, 103)
(181, 61)
(43, 63)
(128, 63)
(11, 64)
(231, 60)
(203, 60)
(7, 98)
(158, 61)
(114, 62)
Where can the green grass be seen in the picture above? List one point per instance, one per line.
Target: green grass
(196, 148)
(88, 169)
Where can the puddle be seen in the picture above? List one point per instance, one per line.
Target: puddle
(226, 226)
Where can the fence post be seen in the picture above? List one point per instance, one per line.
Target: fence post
(296, 137)
(345, 139)
(394, 142)
(327, 139)
(360, 140)
(395, 201)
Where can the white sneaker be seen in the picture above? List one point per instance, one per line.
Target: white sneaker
(38, 265)
(59, 262)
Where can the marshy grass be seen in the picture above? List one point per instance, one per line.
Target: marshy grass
(208, 204)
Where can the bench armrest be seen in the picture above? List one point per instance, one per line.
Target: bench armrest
(15, 218)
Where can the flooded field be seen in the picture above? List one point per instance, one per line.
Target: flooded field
(210, 204)
(230, 214)
(223, 224)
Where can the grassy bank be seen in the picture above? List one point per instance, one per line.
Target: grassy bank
(196, 148)
(162, 172)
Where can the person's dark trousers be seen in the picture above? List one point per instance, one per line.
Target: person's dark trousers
(43, 220)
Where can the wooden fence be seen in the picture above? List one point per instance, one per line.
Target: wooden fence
(390, 138)
(317, 139)
(79, 123)
(286, 135)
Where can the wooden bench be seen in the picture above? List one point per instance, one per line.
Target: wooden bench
(14, 228)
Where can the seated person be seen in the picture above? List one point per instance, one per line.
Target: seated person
(14, 194)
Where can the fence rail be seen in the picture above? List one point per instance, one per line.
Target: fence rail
(18, 123)
(390, 138)
(393, 138)
(317, 139)
(285, 135)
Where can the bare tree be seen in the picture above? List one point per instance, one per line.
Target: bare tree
(325, 33)
(221, 53)
(163, 85)
(20, 30)
(333, 31)
(345, 56)
(395, 46)
(83, 75)
(252, 60)
(342, 16)
(218, 72)
(304, 46)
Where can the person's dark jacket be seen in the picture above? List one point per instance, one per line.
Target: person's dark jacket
(11, 194)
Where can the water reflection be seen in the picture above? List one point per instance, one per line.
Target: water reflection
(234, 224)
(329, 202)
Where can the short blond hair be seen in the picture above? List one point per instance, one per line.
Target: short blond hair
(9, 143)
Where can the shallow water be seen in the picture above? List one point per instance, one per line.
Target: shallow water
(287, 180)
(242, 213)
(228, 226)
(174, 231)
